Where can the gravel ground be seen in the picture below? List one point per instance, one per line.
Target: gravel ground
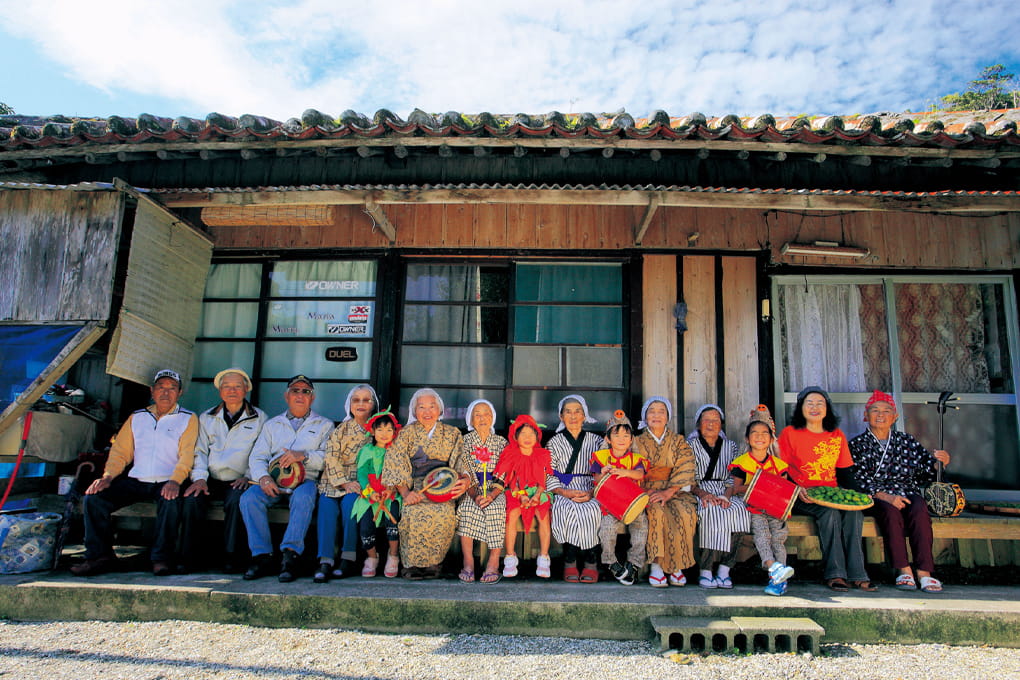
(172, 650)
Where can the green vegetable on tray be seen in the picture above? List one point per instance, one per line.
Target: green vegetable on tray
(834, 494)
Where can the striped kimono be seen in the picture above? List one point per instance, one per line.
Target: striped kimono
(716, 524)
(574, 523)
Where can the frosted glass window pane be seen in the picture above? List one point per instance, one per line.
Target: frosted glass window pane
(591, 282)
(595, 366)
(320, 319)
(539, 366)
(199, 396)
(228, 319)
(456, 402)
(452, 365)
(454, 323)
(985, 455)
(456, 283)
(329, 398)
(213, 357)
(323, 279)
(542, 406)
(574, 325)
(285, 359)
(234, 280)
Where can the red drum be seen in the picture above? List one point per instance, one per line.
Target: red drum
(771, 494)
(289, 476)
(621, 497)
(437, 484)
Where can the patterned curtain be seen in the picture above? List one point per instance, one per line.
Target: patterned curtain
(942, 337)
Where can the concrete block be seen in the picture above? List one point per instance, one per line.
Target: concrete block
(779, 634)
(695, 634)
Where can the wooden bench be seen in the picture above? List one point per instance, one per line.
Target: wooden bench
(969, 540)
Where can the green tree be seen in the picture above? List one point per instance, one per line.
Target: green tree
(995, 88)
(4, 109)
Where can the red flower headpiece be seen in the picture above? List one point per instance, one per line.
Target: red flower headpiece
(384, 414)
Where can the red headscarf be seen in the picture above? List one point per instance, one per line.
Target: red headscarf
(876, 397)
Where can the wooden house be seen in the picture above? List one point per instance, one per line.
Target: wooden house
(522, 258)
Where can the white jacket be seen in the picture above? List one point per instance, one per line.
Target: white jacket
(278, 434)
(222, 452)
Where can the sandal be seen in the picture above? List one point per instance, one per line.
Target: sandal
(906, 582)
(678, 579)
(838, 584)
(658, 581)
(589, 574)
(571, 575)
(866, 586)
(723, 582)
(467, 575)
(707, 582)
(490, 577)
(930, 584)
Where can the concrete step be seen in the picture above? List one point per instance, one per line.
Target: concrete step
(743, 633)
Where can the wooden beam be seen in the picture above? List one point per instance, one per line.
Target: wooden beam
(380, 220)
(956, 203)
(646, 221)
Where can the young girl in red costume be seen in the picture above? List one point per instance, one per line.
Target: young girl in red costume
(522, 469)
(376, 507)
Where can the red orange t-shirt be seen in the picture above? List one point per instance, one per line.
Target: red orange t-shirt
(814, 457)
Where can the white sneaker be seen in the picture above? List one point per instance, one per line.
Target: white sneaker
(542, 570)
(779, 573)
(510, 566)
(370, 567)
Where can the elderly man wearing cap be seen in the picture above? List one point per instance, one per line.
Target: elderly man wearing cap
(226, 434)
(159, 444)
(298, 435)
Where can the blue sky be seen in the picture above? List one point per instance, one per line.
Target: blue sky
(278, 58)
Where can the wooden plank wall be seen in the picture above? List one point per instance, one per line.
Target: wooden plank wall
(700, 376)
(903, 239)
(59, 254)
(740, 342)
(660, 338)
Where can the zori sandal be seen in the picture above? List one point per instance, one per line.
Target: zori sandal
(906, 582)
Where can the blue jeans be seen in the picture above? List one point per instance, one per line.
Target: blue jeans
(329, 510)
(255, 506)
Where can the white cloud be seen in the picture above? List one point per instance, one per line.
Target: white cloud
(742, 57)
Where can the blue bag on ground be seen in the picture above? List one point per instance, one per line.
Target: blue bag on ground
(27, 541)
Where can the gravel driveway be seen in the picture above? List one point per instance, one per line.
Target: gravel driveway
(172, 650)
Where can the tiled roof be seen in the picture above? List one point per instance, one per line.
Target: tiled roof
(986, 130)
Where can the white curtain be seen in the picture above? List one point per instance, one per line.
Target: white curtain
(822, 337)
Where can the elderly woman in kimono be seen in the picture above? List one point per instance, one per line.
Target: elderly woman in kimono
(424, 444)
(481, 515)
(672, 508)
(576, 515)
(723, 517)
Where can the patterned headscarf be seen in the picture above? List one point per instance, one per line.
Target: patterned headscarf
(471, 410)
(350, 395)
(697, 417)
(424, 392)
(642, 424)
(876, 397)
(584, 406)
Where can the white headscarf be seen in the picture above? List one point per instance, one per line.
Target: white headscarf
(424, 392)
(350, 395)
(648, 402)
(584, 406)
(697, 416)
(471, 410)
